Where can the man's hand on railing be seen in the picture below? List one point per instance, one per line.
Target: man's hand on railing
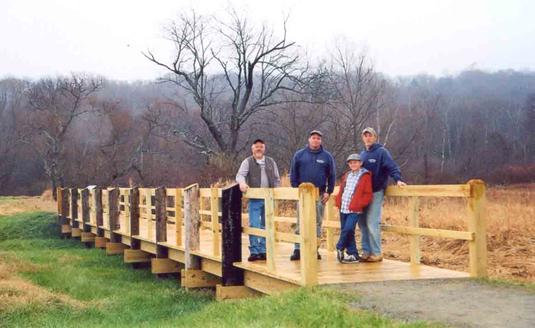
(244, 186)
(401, 184)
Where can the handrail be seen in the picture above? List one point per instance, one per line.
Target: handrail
(117, 210)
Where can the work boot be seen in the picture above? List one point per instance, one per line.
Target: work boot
(253, 257)
(296, 256)
(374, 258)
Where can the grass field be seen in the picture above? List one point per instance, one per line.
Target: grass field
(49, 282)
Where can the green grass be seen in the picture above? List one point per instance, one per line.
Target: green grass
(110, 293)
(525, 285)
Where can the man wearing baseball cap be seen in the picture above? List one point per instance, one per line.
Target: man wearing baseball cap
(315, 165)
(257, 171)
(376, 159)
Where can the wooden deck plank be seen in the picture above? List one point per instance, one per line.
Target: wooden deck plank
(330, 271)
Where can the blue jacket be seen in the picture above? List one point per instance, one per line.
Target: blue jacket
(316, 167)
(379, 162)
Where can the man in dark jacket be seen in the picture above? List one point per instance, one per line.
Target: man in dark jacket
(257, 171)
(315, 165)
(379, 162)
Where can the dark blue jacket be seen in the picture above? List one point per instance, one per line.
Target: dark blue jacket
(316, 167)
(379, 162)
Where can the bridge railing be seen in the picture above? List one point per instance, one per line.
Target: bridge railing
(305, 196)
(175, 215)
(473, 191)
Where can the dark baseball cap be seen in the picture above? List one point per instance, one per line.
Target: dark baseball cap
(259, 140)
(318, 132)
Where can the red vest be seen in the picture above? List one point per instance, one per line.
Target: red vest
(362, 196)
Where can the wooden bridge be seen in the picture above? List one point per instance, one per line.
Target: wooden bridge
(199, 233)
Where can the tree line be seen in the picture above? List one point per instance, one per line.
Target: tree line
(228, 83)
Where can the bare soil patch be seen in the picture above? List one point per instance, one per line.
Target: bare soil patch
(455, 302)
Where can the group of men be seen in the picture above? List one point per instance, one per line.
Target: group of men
(359, 200)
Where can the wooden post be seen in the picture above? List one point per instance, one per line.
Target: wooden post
(179, 216)
(150, 203)
(414, 240)
(307, 227)
(64, 205)
(63, 210)
(124, 219)
(330, 212)
(160, 206)
(191, 225)
(113, 212)
(134, 211)
(231, 236)
(74, 207)
(80, 209)
(478, 225)
(99, 211)
(58, 200)
(106, 208)
(214, 208)
(84, 193)
(270, 230)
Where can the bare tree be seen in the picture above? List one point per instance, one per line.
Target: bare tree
(54, 106)
(528, 124)
(355, 95)
(231, 71)
(11, 102)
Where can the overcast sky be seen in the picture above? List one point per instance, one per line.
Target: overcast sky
(106, 37)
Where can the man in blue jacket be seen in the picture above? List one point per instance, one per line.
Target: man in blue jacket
(379, 162)
(315, 165)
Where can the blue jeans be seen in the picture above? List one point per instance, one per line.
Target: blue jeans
(348, 222)
(257, 219)
(319, 219)
(370, 225)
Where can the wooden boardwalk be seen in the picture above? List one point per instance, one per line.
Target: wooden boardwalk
(199, 243)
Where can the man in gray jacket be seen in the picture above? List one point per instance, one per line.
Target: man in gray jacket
(257, 171)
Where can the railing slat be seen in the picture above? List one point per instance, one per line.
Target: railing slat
(462, 235)
(429, 191)
(214, 208)
(270, 230)
(477, 224)
(307, 228)
(414, 240)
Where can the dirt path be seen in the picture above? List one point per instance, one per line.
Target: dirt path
(457, 303)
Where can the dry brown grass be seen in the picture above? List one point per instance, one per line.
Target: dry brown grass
(19, 204)
(510, 232)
